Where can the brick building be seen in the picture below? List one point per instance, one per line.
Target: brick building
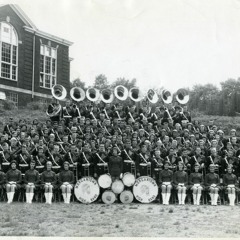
(31, 61)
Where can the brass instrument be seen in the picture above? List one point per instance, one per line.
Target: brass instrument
(135, 94)
(93, 94)
(152, 96)
(107, 96)
(182, 96)
(121, 92)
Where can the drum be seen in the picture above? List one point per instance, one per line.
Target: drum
(105, 181)
(40, 168)
(126, 196)
(5, 166)
(128, 179)
(117, 186)
(145, 189)
(86, 190)
(108, 197)
(23, 167)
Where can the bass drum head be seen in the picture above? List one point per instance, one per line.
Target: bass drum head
(86, 190)
(128, 179)
(108, 197)
(126, 196)
(145, 189)
(105, 181)
(117, 186)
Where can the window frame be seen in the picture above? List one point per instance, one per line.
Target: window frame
(10, 96)
(12, 31)
(44, 66)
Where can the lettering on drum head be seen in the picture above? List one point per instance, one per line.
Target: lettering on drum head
(86, 190)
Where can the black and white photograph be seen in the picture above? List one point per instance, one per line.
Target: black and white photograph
(120, 118)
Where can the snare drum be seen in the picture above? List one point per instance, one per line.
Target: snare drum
(145, 189)
(117, 186)
(86, 190)
(108, 197)
(5, 166)
(126, 196)
(40, 168)
(128, 179)
(105, 181)
(23, 167)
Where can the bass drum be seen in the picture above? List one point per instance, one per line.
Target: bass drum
(117, 186)
(105, 181)
(87, 190)
(128, 179)
(145, 189)
(126, 196)
(108, 197)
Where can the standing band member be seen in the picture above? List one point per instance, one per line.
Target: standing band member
(13, 181)
(66, 181)
(165, 180)
(180, 181)
(31, 179)
(212, 184)
(115, 164)
(196, 184)
(230, 185)
(48, 180)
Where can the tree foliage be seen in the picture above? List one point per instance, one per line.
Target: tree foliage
(78, 83)
(101, 82)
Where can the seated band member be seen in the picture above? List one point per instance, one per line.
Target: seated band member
(48, 180)
(165, 181)
(180, 182)
(212, 184)
(2, 180)
(13, 180)
(230, 185)
(196, 184)
(115, 164)
(66, 181)
(31, 179)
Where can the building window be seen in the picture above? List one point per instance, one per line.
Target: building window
(8, 51)
(13, 97)
(48, 66)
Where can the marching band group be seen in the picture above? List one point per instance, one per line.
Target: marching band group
(91, 140)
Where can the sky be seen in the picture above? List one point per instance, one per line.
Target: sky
(161, 43)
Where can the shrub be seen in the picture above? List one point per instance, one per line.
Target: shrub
(9, 105)
(37, 106)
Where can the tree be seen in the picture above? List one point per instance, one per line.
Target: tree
(125, 82)
(78, 83)
(101, 82)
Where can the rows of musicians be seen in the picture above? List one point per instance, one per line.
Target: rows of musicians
(95, 139)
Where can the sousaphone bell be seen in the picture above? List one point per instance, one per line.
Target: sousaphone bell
(93, 94)
(107, 96)
(182, 96)
(59, 92)
(166, 96)
(121, 92)
(77, 94)
(152, 96)
(135, 94)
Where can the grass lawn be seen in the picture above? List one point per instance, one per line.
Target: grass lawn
(118, 220)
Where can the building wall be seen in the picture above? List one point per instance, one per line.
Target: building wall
(25, 61)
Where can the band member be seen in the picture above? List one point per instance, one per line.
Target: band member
(31, 181)
(197, 158)
(48, 181)
(230, 185)
(128, 156)
(86, 166)
(100, 158)
(66, 182)
(196, 184)
(24, 159)
(2, 180)
(56, 158)
(214, 158)
(53, 107)
(212, 183)
(157, 164)
(115, 164)
(165, 181)
(143, 162)
(13, 181)
(180, 182)
(5, 157)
